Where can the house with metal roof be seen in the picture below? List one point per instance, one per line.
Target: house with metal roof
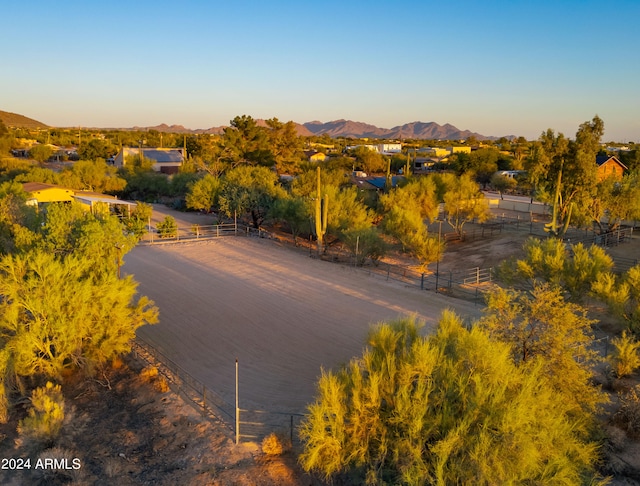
(40, 194)
(165, 160)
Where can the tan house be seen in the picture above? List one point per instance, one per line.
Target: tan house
(166, 160)
(609, 166)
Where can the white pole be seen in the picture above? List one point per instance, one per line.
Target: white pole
(237, 408)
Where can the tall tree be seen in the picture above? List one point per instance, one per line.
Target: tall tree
(564, 172)
(250, 189)
(244, 142)
(285, 145)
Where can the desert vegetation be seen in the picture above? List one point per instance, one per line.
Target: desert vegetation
(514, 398)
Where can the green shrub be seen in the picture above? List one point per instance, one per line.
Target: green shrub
(625, 359)
(167, 228)
(46, 415)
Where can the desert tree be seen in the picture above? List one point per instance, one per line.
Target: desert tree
(463, 200)
(203, 194)
(564, 172)
(572, 268)
(540, 325)
(293, 211)
(40, 153)
(365, 243)
(406, 210)
(248, 189)
(57, 314)
(502, 183)
(245, 142)
(450, 408)
(622, 295)
(92, 175)
(285, 145)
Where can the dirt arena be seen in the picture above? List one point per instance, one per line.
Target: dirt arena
(282, 314)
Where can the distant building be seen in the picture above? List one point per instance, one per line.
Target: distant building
(435, 151)
(315, 156)
(373, 148)
(389, 148)
(166, 160)
(512, 174)
(459, 150)
(609, 166)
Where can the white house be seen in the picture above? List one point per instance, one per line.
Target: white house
(166, 160)
(389, 148)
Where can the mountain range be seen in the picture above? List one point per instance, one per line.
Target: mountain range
(337, 128)
(351, 129)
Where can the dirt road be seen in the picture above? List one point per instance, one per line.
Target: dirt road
(281, 313)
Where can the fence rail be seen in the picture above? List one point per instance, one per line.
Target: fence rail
(201, 232)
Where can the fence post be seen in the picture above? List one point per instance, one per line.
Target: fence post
(237, 408)
(291, 430)
(204, 401)
(477, 275)
(388, 270)
(422, 281)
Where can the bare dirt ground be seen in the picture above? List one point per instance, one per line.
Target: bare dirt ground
(281, 313)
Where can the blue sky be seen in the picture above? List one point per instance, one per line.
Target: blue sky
(493, 67)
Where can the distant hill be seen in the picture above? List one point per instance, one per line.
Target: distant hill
(337, 128)
(19, 121)
(415, 130)
(163, 127)
(351, 129)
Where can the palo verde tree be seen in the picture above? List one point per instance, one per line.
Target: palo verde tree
(406, 210)
(450, 408)
(203, 194)
(540, 325)
(622, 295)
(294, 212)
(573, 270)
(63, 306)
(463, 200)
(57, 314)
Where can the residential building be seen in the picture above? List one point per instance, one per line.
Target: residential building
(166, 160)
(609, 166)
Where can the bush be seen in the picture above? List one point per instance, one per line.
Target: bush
(628, 416)
(275, 444)
(625, 359)
(167, 228)
(46, 416)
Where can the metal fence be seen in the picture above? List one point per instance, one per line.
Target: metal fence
(242, 423)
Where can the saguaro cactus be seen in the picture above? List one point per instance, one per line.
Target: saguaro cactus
(322, 204)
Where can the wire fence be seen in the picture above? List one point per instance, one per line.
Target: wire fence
(244, 424)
